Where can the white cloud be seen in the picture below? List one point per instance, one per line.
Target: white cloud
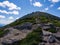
(1, 16)
(51, 5)
(13, 9)
(11, 6)
(17, 17)
(37, 4)
(58, 8)
(6, 21)
(46, 8)
(11, 17)
(15, 12)
(10, 12)
(54, 1)
(3, 11)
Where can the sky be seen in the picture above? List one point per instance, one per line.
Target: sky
(10, 10)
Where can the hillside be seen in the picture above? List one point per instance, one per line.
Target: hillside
(31, 17)
(36, 28)
(44, 17)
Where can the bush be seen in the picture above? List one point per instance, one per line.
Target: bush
(33, 38)
(52, 30)
(2, 32)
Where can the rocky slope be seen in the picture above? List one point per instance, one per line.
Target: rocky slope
(37, 28)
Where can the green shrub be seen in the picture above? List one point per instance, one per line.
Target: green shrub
(33, 38)
(52, 30)
(2, 32)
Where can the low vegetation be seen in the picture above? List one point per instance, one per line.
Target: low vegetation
(2, 32)
(33, 38)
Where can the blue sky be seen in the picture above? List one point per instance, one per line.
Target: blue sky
(10, 10)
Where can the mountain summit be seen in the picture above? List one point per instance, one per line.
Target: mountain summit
(36, 28)
(33, 16)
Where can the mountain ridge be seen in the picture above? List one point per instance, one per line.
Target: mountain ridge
(38, 13)
(36, 28)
